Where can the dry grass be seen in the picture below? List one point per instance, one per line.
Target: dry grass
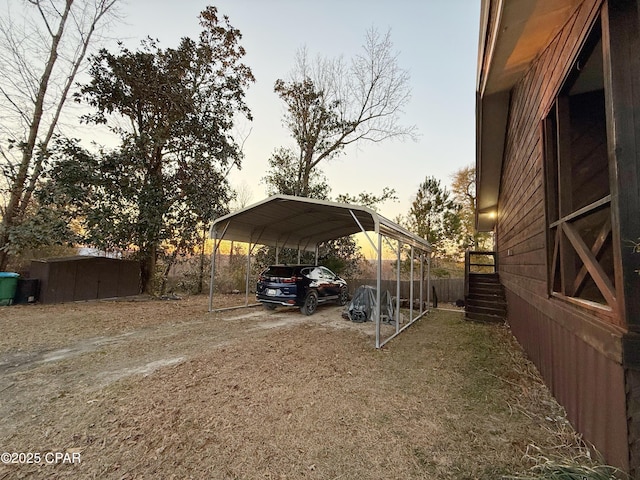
(51, 326)
(307, 398)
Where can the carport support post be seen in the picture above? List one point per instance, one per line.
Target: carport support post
(216, 243)
(398, 287)
(411, 289)
(213, 273)
(378, 286)
(428, 279)
(246, 290)
(421, 282)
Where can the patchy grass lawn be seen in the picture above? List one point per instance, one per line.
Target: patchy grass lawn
(269, 395)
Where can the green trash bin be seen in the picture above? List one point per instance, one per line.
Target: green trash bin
(8, 285)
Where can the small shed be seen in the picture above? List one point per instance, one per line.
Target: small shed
(68, 279)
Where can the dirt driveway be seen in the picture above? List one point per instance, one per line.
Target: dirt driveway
(163, 389)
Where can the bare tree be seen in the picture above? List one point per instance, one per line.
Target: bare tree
(41, 54)
(463, 188)
(332, 104)
(244, 195)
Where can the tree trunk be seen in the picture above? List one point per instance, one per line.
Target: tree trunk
(167, 269)
(17, 188)
(37, 170)
(306, 174)
(4, 240)
(20, 197)
(147, 270)
(201, 266)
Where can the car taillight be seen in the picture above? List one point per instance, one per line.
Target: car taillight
(289, 280)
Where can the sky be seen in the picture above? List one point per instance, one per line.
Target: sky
(436, 41)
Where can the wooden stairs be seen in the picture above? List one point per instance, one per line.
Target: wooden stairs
(485, 300)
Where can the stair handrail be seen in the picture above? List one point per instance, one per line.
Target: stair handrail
(493, 264)
(469, 264)
(467, 259)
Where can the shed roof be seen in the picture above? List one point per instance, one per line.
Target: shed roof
(298, 222)
(80, 258)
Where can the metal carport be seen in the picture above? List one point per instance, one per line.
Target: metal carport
(285, 221)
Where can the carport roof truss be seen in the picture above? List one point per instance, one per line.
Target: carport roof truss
(302, 223)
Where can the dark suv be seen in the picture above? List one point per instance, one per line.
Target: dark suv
(304, 286)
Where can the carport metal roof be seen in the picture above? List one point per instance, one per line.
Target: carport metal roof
(286, 221)
(302, 223)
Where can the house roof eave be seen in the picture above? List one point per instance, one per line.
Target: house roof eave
(512, 36)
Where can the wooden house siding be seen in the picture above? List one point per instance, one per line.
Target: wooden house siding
(578, 351)
(621, 30)
(588, 384)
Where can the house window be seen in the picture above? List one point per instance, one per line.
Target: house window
(578, 200)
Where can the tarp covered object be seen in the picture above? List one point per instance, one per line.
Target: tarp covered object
(363, 304)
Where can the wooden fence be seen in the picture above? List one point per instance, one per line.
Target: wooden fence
(447, 289)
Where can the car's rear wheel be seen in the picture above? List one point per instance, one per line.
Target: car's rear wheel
(344, 296)
(310, 303)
